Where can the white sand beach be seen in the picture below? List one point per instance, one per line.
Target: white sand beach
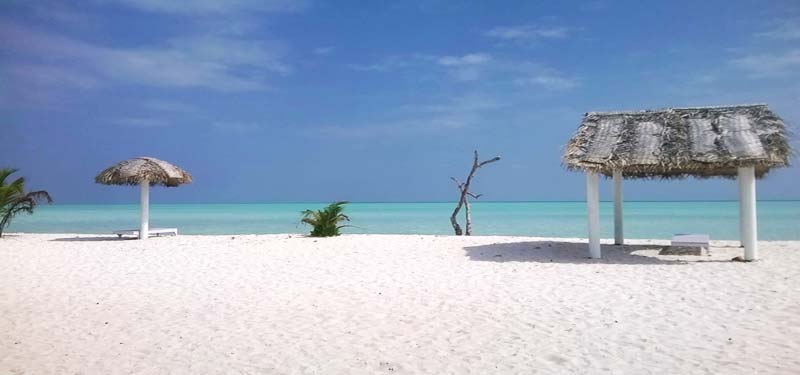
(367, 304)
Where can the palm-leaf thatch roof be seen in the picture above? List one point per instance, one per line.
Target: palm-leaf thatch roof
(135, 171)
(680, 142)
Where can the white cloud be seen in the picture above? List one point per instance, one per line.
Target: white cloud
(543, 77)
(527, 32)
(461, 112)
(394, 128)
(141, 122)
(228, 52)
(324, 51)
(549, 81)
(196, 7)
(458, 104)
(594, 5)
(468, 59)
(236, 126)
(469, 67)
(45, 75)
(785, 29)
(217, 63)
(58, 12)
(704, 79)
(388, 64)
(476, 66)
(770, 64)
(169, 106)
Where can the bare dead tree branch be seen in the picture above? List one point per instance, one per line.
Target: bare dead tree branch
(463, 200)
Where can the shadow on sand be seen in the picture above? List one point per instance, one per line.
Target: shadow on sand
(92, 239)
(566, 252)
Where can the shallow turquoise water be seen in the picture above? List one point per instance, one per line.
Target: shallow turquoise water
(778, 220)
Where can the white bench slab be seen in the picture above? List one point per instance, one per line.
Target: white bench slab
(687, 244)
(691, 240)
(153, 232)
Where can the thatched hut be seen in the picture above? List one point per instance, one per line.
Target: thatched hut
(145, 172)
(743, 141)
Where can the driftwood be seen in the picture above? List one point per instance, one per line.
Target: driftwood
(463, 201)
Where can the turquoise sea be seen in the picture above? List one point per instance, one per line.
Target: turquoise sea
(777, 220)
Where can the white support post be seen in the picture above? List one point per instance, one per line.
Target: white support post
(144, 228)
(740, 182)
(618, 236)
(747, 215)
(593, 209)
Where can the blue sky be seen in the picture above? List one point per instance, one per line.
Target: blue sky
(287, 100)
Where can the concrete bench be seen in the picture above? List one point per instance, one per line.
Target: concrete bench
(691, 240)
(687, 244)
(153, 232)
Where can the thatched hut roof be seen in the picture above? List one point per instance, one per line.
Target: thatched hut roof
(680, 142)
(134, 171)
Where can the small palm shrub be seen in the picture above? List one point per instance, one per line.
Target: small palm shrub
(326, 222)
(14, 200)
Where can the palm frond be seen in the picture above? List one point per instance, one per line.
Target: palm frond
(17, 186)
(14, 200)
(4, 173)
(309, 221)
(40, 195)
(21, 205)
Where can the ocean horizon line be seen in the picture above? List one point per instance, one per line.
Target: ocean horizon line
(644, 219)
(417, 202)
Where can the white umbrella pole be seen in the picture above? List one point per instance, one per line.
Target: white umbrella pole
(618, 237)
(144, 228)
(593, 210)
(747, 215)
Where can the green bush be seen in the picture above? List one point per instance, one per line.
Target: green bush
(325, 222)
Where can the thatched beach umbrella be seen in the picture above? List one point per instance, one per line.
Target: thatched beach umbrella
(144, 171)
